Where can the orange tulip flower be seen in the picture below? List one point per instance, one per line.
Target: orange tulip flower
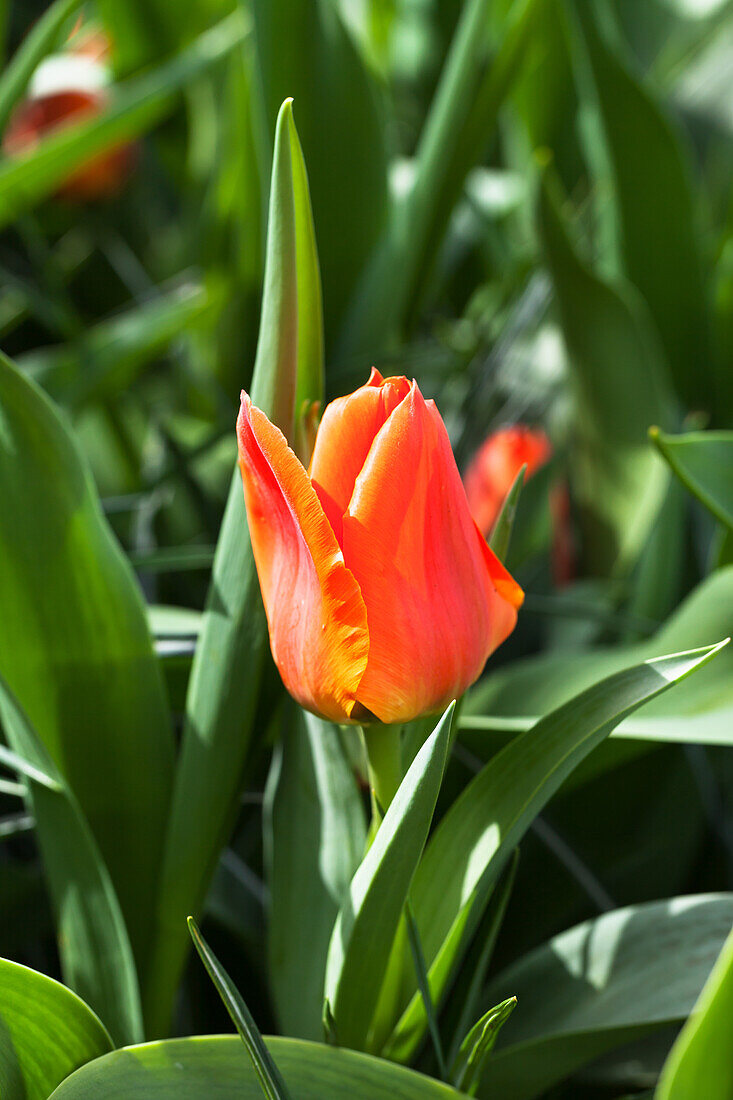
(495, 465)
(383, 600)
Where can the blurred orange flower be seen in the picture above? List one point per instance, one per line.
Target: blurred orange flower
(65, 88)
(382, 598)
(496, 464)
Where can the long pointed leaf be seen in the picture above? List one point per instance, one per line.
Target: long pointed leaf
(93, 942)
(230, 655)
(468, 849)
(369, 918)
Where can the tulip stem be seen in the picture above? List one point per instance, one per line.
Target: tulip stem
(384, 761)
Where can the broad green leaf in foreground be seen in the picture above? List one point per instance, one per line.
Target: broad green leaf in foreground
(75, 648)
(701, 1060)
(468, 849)
(703, 461)
(230, 655)
(370, 915)
(315, 833)
(265, 1069)
(219, 1069)
(600, 985)
(621, 389)
(136, 107)
(46, 1032)
(93, 943)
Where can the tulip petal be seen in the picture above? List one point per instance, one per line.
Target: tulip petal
(437, 602)
(344, 438)
(315, 611)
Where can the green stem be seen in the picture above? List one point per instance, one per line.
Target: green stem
(384, 761)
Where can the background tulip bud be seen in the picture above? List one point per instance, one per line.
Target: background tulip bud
(495, 465)
(383, 600)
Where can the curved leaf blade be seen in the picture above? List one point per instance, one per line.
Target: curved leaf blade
(600, 985)
(80, 660)
(187, 1069)
(93, 943)
(468, 849)
(703, 461)
(369, 917)
(46, 1032)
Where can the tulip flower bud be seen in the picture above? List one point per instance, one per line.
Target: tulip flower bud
(496, 464)
(491, 475)
(383, 600)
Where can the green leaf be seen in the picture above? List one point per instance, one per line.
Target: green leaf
(46, 1032)
(600, 985)
(230, 655)
(656, 208)
(513, 698)
(470, 846)
(703, 461)
(109, 355)
(315, 834)
(700, 1062)
(136, 108)
(502, 532)
(370, 915)
(40, 41)
(187, 1069)
(265, 1069)
(620, 390)
(93, 943)
(478, 1044)
(80, 659)
(459, 126)
(342, 129)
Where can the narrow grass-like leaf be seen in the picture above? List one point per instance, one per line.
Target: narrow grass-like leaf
(230, 655)
(264, 1066)
(701, 1061)
(107, 358)
(656, 208)
(41, 40)
(370, 915)
(315, 833)
(601, 985)
(468, 849)
(136, 107)
(423, 984)
(703, 461)
(46, 1032)
(621, 389)
(93, 942)
(461, 120)
(502, 532)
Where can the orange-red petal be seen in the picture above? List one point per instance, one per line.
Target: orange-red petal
(437, 603)
(344, 438)
(315, 611)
